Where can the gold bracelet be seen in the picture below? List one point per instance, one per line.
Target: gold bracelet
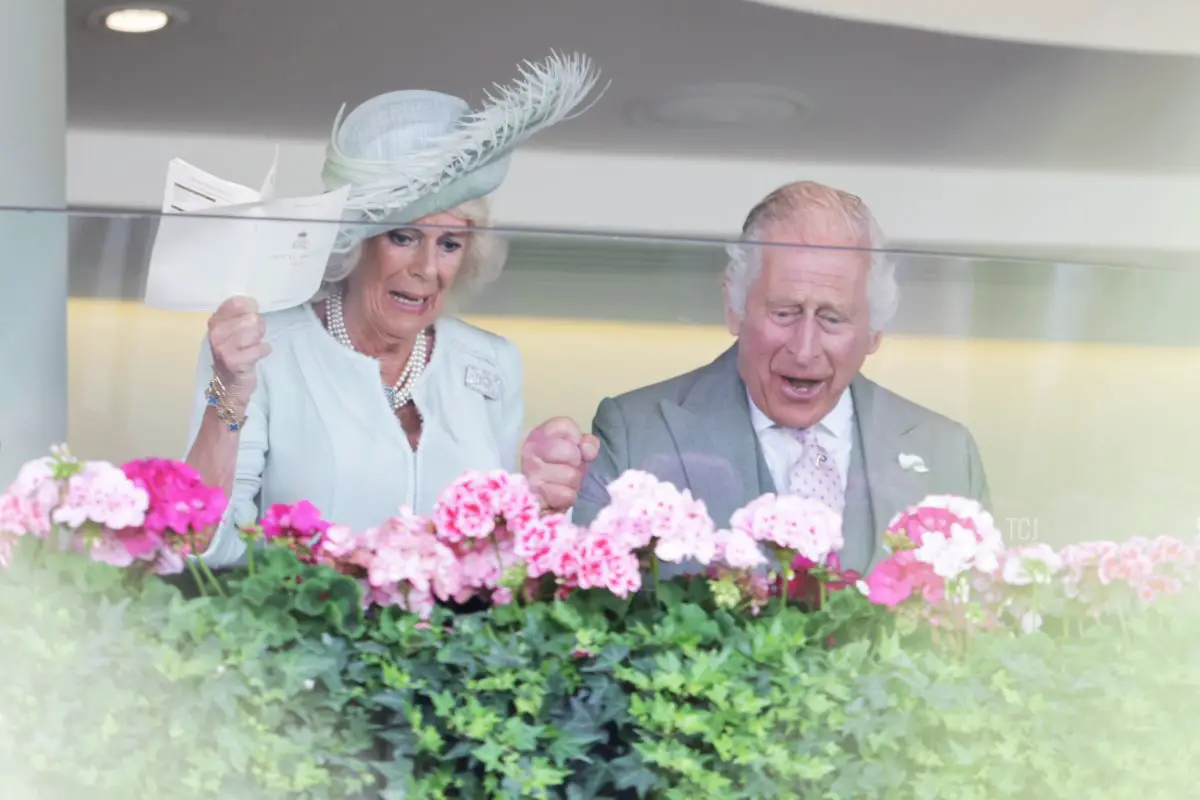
(216, 398)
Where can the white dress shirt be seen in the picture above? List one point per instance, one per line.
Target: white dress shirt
(319, 427)
(782, 450)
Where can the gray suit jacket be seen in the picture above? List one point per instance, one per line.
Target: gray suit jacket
(695, 431)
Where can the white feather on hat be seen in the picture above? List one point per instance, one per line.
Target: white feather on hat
(409, 154)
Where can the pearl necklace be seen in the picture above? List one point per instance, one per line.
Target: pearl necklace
(400, 394)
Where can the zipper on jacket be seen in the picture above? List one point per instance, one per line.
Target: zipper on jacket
(416, 479)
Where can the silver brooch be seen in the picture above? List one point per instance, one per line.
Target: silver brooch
(486, 383)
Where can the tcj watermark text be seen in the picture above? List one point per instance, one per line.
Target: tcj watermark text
(1020, 530)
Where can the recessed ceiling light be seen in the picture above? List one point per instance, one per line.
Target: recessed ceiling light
(136, 20)
(143, 18)
(721, 105)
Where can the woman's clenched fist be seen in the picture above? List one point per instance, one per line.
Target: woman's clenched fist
(235, 335)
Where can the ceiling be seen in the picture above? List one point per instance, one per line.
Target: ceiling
(1147, 26)
(872, 93)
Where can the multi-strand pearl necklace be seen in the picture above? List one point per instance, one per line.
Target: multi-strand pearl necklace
(400, 394)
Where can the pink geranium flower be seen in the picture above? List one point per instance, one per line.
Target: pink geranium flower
(298, 527)
(399, 563)
(952, 534)
(792, 524)
(943, 539)
(481, 504)
(149, 511)
(27, 505)
(1028, 565)
(102, 494)
(542, 543)
(338, 541)
(182, 515)
(180, 502)
(299, 520)
(112, 551)
(601, 561)
(655, 518)
(737, 549)
(1099, 574)
(892, 582)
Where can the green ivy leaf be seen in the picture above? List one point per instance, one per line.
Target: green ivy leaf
(632, 773)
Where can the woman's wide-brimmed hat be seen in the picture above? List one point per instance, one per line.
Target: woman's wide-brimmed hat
(409, 154)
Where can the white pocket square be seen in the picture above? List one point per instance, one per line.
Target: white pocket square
(915, 463)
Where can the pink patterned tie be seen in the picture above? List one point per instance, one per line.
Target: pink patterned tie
(816, 475)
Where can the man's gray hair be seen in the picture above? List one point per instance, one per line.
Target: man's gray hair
(812, 204)
(483, 261)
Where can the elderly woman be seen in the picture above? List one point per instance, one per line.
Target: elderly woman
(371, 397)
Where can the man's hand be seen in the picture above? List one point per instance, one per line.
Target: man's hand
(554, 459)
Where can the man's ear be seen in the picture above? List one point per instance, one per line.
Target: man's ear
(876, 338)
(733, 320)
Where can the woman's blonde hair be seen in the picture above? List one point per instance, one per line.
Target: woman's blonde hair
(483, 261)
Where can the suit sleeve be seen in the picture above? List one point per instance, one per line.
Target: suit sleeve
(613, 459)
(976, 475)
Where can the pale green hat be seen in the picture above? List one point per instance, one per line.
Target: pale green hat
(409, 154)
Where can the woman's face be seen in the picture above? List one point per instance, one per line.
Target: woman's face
(405, 273)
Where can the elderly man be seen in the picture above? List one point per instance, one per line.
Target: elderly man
(785, 408)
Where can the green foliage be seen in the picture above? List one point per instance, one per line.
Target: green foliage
(679, 700)
(119, 688)
(1111, 714)
(115, 687)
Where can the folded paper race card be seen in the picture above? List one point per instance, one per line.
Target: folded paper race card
(217, 239)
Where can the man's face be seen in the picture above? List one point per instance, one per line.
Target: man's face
(806, 330)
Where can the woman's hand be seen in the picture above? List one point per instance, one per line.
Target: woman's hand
(235, 335)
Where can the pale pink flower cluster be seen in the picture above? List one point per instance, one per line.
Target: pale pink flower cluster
(486, 571)
(481, 505)
(653, 517)
(798, 532)
(739, 550)
(578, 558)
(789, 524)
(89, 501)
(1016, 587)
(602, 561)
(154, 511)
(547, 546)
(1032, 564)
(1093, 571)
(399, 563)
(646, 519)
(479, 516)
(27, 505)
(960, 550)
(103, 494)
(948, 556)
(485, 537)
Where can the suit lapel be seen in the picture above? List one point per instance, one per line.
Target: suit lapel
(718, 450)
(859, 529)
(887, 431)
